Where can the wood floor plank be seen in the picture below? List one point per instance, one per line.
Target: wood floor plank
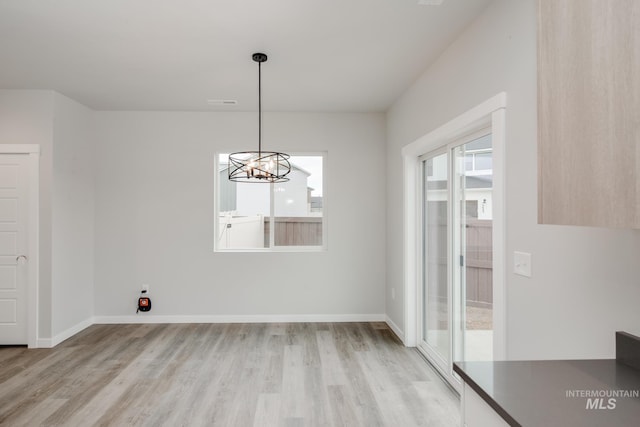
(40, 412)
(163, 348)
(17, 393)
(317, 409)
(293, 379)
(385, 388)
(170, 377)
(303, 374)
(15, 360)
(331, 366)
(342, 406)
(267, 410)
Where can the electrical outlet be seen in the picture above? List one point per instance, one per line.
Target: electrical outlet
(393, 293)
(145, 288)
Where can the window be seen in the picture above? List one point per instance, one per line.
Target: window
(478, 158)
(269, 217)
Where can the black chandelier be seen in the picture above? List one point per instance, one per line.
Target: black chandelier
(259, 166)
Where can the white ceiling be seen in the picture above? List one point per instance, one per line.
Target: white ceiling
(324, 55)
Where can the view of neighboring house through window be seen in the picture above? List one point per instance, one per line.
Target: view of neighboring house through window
(478, 165)
(477, 156)
(271, 216)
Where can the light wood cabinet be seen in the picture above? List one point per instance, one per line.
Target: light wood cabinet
(589, 112)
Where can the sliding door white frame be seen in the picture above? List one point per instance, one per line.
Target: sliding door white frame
(433, 354)
(491, 114)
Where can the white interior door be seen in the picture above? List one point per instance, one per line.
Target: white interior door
(14, 217)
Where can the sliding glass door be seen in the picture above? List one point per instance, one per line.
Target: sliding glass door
(436, 330)
(474, 272)
(456, 301)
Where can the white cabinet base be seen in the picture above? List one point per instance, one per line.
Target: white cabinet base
(477, 413)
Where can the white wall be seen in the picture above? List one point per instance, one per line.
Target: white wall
(585, 281)
(62, 128)
(73, 216)
(26, 117)
(154, 217)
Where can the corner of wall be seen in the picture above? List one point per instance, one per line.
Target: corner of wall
(72, 216)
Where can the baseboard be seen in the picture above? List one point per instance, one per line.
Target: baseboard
(249, 318)
(64, 335)
(396, 330)
(44, 343)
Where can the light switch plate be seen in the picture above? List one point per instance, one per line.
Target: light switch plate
(522, 263)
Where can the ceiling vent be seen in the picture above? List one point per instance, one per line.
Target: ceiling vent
(430, 2)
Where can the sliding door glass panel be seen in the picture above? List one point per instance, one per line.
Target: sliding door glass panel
(436, 328)
(473, 275)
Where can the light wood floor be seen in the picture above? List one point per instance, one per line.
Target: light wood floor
(303, 374)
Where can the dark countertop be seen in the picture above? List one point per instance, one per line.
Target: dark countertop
(555, 393)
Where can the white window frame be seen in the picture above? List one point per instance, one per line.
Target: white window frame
(490, 113)
(273, 248)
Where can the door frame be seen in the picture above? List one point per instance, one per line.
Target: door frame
(33, 238)
(490, 113)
